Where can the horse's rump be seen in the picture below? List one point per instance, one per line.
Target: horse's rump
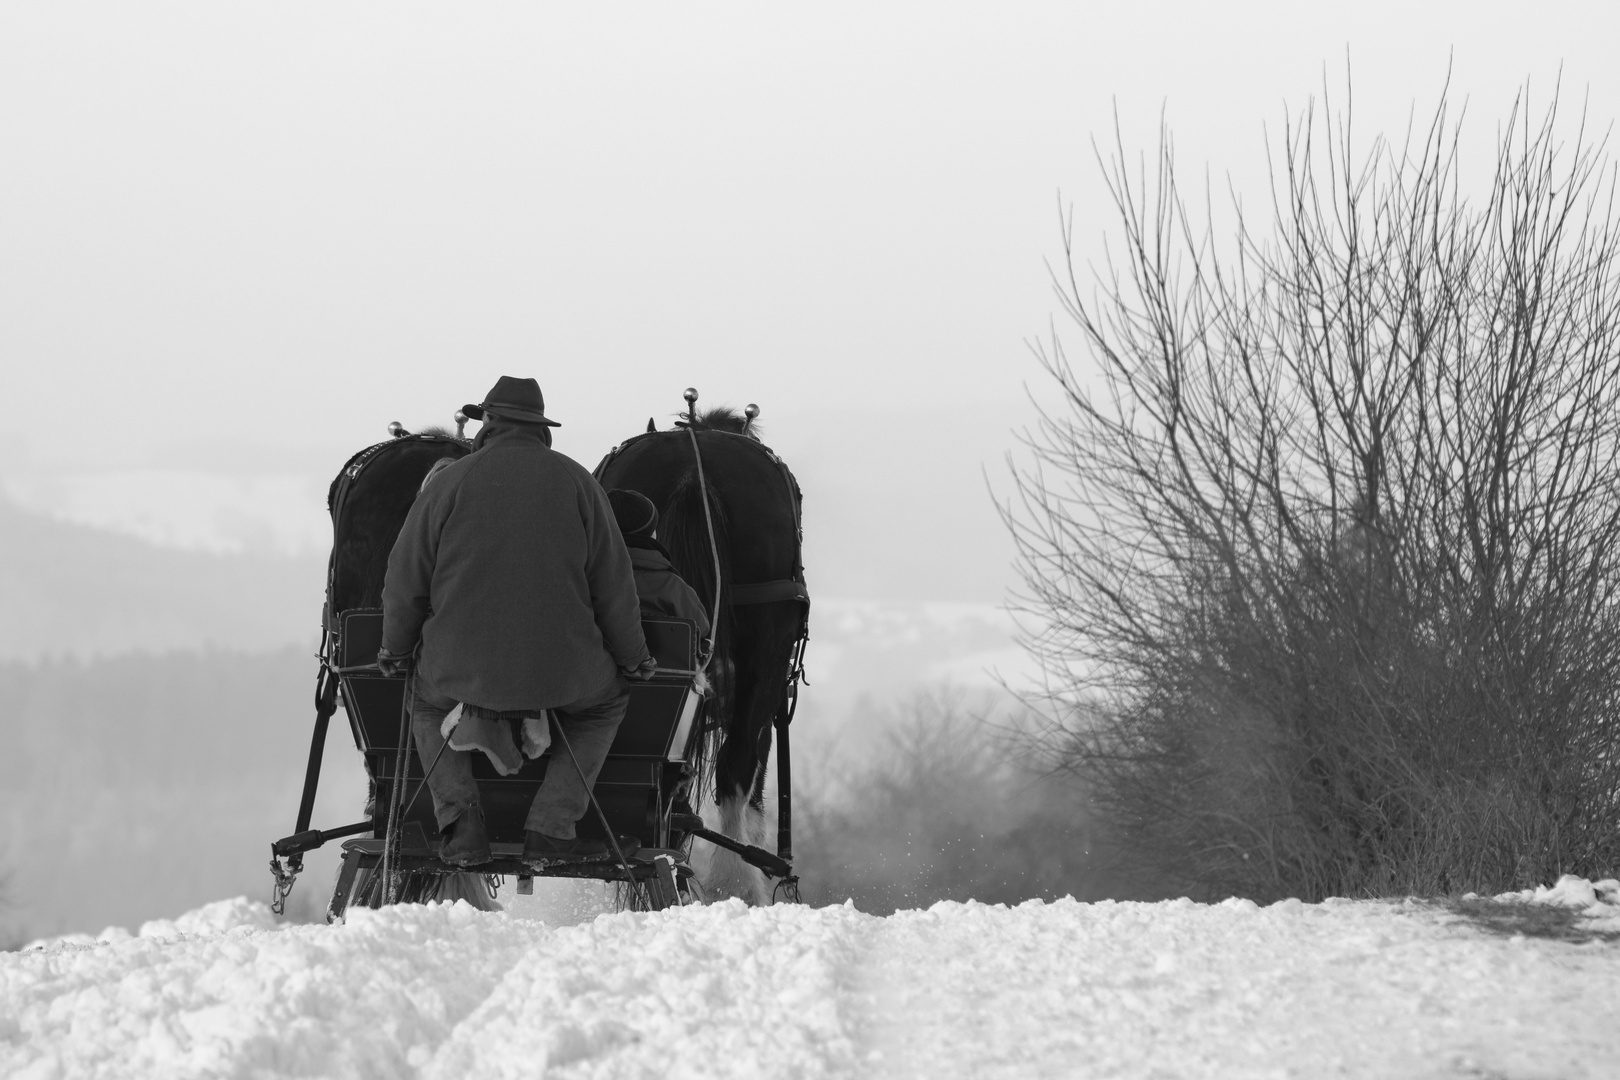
(369, 500)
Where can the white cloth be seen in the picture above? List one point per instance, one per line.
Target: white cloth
(471, 728)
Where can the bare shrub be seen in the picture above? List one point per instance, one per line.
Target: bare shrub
(1319, 554)
(944, 811)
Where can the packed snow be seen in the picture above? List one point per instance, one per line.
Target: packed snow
(1175, 989)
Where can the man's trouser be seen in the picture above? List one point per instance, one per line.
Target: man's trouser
(562, 800)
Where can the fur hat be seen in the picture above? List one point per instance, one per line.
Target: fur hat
(635, 513)
(513, 399)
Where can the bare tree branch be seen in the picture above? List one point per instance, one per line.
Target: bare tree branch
(1319, 553)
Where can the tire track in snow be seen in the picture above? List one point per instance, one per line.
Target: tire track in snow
(1065, 989)
(222, 992)
(1227, 991)
(712, 992)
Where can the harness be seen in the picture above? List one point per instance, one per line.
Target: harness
(755, 592)
(759, 592)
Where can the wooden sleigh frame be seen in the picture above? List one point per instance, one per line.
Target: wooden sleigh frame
(643, 789)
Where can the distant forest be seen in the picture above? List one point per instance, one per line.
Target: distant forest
(141, 786)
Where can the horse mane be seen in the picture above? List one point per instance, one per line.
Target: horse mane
(725, 418)
(436, 429)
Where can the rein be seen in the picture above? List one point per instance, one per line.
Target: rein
(708, 519)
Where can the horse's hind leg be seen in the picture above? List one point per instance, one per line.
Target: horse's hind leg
(762, 756)
(473, 888)
(727, 874)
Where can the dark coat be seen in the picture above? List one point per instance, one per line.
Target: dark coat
(511, 572)
(664, 592)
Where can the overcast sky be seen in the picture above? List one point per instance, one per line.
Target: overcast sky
(250, 233)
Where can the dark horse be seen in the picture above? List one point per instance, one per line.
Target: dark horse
(751, 530)
(368, 501)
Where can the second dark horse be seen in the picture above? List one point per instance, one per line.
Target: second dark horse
(752, 531)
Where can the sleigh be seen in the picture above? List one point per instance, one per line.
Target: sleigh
(644, 789)
(651, 763)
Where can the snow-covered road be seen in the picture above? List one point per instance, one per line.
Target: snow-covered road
(1042, 990)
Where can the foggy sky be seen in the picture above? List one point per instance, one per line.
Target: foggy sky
(239, 239)
(223, 220)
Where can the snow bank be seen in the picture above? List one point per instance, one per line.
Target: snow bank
(215, 918)
(1598, 899)
(1063, 989)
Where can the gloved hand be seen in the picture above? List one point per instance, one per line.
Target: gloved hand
(393, 665)
(642, 671)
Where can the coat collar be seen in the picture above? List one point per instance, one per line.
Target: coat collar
(512, 434)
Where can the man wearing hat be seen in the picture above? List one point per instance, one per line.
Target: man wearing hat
(511, 576)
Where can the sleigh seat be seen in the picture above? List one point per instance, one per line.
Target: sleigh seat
(647, 766)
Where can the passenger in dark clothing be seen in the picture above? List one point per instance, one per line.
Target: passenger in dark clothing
(661, 590)
(510, 574)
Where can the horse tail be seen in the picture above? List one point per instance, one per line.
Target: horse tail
(684, 528)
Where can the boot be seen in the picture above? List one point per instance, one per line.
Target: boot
(540, 850)
(466, 843)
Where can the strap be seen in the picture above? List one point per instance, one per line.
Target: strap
(769, 592)
(708, 518)
(601, 466)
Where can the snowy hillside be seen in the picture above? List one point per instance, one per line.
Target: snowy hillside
(1176, 989)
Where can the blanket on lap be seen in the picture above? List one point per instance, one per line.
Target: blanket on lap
(472, 727)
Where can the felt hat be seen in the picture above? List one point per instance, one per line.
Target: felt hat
(513, 399)
(635, 513)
